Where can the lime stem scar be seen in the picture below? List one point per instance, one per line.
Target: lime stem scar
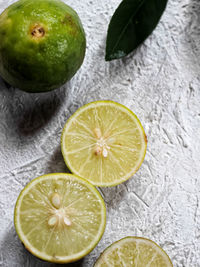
(38, 31)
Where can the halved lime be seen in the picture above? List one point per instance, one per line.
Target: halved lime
(60, 217)
(104, 142)
(134, 252)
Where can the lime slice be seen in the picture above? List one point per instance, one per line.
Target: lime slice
(134, 252)
(104, 142)
(59, 217)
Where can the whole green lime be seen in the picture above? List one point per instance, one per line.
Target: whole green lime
(42, 44)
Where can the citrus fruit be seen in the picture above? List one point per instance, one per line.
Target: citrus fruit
(42, 44)
(59, 217)
(103, 142)
(134, 252)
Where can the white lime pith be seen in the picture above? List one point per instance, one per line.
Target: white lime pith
(104, 142)
(60, 217)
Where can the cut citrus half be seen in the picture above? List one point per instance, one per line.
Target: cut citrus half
(134, 252)
(104, 142)
(59, 217)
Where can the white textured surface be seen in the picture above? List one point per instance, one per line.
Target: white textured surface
(160, 82)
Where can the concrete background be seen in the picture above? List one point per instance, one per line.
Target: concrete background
(160, 82)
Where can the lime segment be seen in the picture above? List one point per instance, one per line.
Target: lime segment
(134, 252)
(60, 217)
(104, 142)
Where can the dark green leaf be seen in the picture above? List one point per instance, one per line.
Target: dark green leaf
(131, 24)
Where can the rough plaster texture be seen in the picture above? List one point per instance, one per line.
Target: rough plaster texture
(160, 82)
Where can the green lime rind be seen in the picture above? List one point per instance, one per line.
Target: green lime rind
(40, 64)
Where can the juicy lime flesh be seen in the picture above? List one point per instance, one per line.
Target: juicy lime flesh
(134, 252)
(42, 44)
(104, 142)
(60, 218)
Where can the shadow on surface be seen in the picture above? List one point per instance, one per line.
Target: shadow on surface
(74, 264)
(191, 36)
(27, 113)
(114, 195)
(193, 28)
(13, 253)
(36, 115)
(56, 163)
